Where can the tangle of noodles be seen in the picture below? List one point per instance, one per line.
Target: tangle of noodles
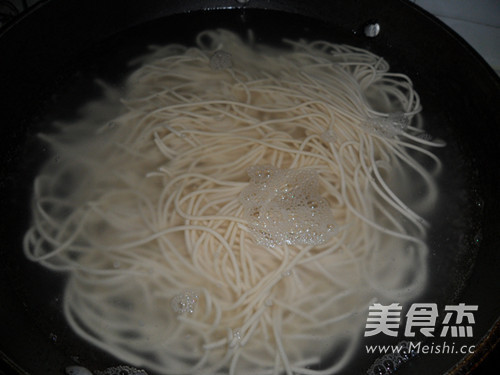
(144, 212)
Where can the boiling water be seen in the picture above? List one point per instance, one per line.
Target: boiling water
(454, 233)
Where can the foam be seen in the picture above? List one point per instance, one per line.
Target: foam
(122, 370)
(389, 127)
(184, 302)
(283, 206)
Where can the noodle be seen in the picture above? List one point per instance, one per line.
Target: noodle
(145, 212)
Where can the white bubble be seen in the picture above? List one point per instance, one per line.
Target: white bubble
(121, 370)
(286, 273)
(284, 206)
(236, 338)
(237, 334)
(390, 126)
(185, 302)
(425, 137)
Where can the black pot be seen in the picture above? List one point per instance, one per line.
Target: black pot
(49, 56)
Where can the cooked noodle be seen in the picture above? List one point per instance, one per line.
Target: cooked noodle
(145, 212)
